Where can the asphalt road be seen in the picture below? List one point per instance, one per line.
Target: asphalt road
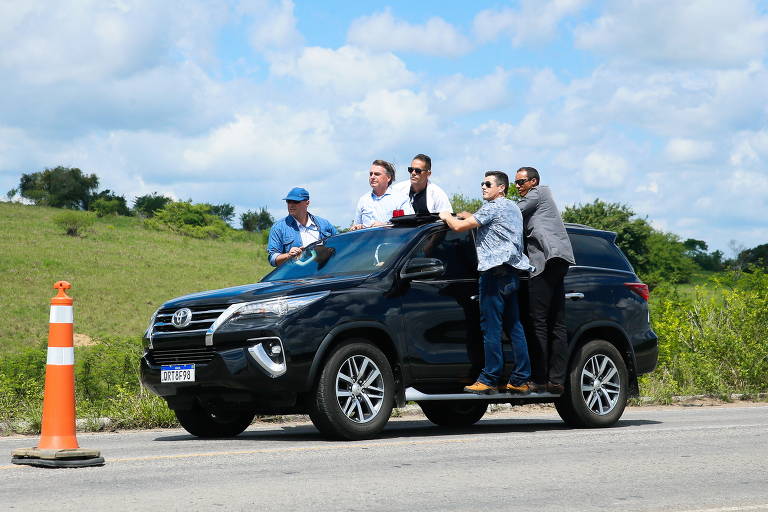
(712, 459)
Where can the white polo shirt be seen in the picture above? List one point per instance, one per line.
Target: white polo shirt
(309, 233)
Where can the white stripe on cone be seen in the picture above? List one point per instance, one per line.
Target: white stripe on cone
(61, 315)
(61, 356)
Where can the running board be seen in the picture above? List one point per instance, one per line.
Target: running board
(414, 395)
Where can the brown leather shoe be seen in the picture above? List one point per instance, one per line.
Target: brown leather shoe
(479, 388)
(515, 389)
(535, 387)
(555, 389)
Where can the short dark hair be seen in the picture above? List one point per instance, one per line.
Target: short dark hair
(387, 167)
(531, 173)
(424, 158)
(501, 179)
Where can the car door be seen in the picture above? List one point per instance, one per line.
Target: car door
(441, 317)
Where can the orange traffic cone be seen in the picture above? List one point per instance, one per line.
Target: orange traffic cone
(58, 443)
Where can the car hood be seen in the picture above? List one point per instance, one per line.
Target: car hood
(264, 290)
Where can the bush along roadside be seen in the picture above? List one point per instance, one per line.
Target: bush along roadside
(714, 343)
(106, 386)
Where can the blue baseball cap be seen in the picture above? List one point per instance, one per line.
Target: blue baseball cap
(297, 194)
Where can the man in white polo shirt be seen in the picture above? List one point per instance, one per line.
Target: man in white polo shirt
(375, 208)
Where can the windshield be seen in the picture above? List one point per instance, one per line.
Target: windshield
(357, 252)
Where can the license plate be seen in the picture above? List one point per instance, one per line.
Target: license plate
(177, 373)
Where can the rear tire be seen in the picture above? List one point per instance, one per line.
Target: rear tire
(354, 395)
(596, 387)
(457, 413)
(202, 423)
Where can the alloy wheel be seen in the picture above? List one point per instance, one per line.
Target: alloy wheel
(600, 384)
(359, 389)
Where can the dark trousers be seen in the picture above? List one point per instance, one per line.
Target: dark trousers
(546, 309)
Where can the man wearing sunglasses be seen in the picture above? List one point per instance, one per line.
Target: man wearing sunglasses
(299, 228)
(500, 261)
(425, 196)
(375, 208)
(549, 249)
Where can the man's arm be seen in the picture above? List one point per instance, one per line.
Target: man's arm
(457, 224)
(529, 202)
(275, 257)
(441, 200)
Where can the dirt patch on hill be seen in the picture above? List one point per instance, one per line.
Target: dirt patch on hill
(83, 340)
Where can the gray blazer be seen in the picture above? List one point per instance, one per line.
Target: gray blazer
(545, 235)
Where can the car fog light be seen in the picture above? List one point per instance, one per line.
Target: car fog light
(268, 353)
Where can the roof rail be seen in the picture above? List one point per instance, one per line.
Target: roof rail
(416, 219)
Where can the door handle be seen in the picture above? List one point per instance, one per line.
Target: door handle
(574, 295)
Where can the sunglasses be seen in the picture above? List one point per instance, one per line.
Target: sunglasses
(522, 181)
(487, 184)
(416, 170)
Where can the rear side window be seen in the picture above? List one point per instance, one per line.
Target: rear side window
(596, 251)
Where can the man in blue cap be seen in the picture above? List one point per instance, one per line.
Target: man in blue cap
(290, 235)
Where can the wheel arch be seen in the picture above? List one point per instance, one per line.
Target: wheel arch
(374, 332)
(615, 335)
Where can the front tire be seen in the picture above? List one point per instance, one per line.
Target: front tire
(203, 423)
(458, 413)
(354, 395)
(596, 387)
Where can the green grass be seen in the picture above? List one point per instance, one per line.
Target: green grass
(120, 272)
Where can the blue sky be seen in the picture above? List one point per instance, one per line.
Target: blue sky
(659, 105)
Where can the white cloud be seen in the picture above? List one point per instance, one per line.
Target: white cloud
(383, 32)
(685, 32)
(535, 21)
(688, 150)
(388, 117)
(604, 170)
(750, 149)
(459, 94)
(273, 26)
(348, 71)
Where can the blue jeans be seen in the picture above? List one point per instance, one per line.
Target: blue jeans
(499, 310)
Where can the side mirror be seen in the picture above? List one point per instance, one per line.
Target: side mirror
(422, 267)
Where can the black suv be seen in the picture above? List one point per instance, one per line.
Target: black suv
(370, 319)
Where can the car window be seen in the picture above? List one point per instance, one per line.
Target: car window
(596, 251)
(455, 250)
(356, 252)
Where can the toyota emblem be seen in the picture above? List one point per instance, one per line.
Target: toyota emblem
(181, 318)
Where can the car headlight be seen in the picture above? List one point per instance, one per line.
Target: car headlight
(278, 307)
(148, 333)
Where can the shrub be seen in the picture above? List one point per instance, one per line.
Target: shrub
(714, 343)
(148, 204)
(74, 222)
(194, 220)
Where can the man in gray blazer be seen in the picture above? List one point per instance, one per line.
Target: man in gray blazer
(549, 250)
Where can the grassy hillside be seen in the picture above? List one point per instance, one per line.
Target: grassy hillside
(120, 272)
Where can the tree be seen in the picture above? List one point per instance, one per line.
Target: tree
(108, 203)
(668, 259)
(697, 251)
(757, 257)
(631, 234)
(149, 204)
(257, 221)
(60, 187)
(224, 211)
(11, 194)
(460, 203)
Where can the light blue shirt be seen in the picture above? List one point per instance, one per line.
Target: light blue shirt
(372, 208)
(500, 236)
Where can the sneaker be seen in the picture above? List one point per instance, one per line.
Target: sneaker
(535, 387)
(479, 388)
(517, 389)
(555, 389)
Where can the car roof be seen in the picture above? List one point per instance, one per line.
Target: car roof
(433, 218)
